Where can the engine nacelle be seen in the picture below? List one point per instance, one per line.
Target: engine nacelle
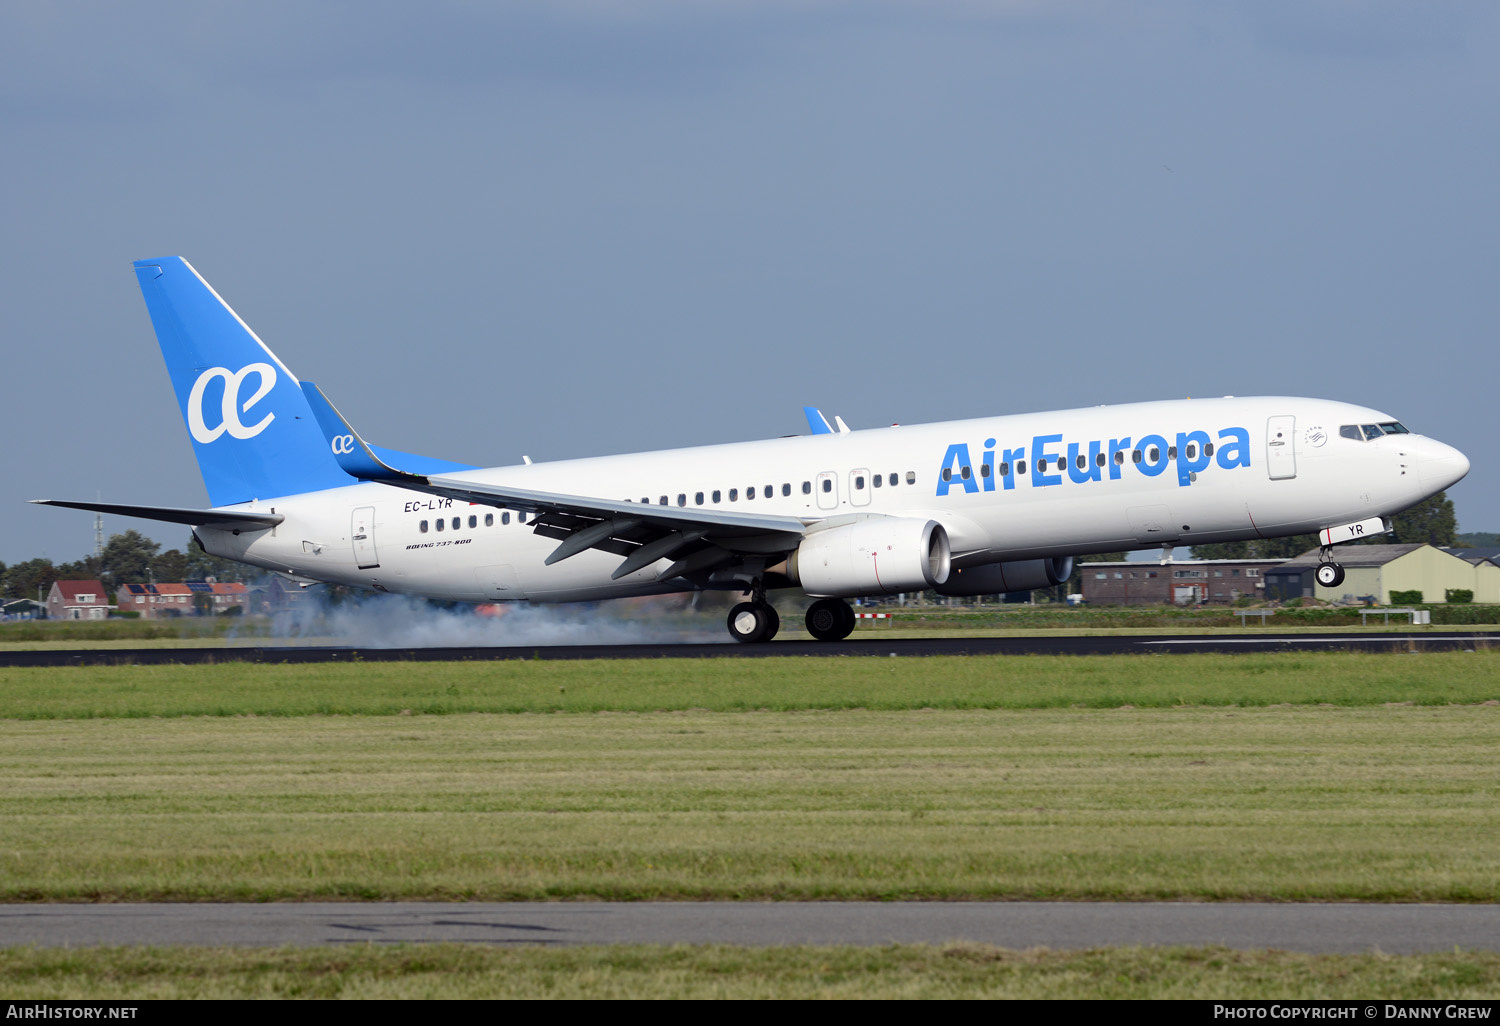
(1018, 575)
(874, 556)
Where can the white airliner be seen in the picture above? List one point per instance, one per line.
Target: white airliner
(968, 507)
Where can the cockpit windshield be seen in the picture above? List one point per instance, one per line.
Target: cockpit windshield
(1366, 432)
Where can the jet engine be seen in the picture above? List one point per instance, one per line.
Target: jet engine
(1018, 575)
(877, 555)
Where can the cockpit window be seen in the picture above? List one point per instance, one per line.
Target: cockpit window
(1367, 432)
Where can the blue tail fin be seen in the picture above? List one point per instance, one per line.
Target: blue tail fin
(253, 432)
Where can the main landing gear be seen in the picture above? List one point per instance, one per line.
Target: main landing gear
(756, 620)
(1329, 574)
(830, 619)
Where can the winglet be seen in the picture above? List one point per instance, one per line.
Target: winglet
(353, 455)
(816, 421)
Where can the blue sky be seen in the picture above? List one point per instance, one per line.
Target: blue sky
(580, 228)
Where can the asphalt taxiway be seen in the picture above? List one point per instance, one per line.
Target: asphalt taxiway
(861, 645)
(1314, 928)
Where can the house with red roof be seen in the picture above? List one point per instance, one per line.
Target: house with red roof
(78, 600)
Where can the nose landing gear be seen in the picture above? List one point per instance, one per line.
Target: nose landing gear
(1329, 574)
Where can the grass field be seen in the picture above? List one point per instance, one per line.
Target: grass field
(734, 685)
(713, 971)
(1328, 776)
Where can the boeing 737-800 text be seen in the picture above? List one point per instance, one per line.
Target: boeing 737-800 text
(968, 507)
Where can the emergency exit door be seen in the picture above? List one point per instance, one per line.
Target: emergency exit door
(1281, 459)
(362, 530)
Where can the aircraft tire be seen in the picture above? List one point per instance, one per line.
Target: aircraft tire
(830, 619)
(750, 622)
(1330, 575)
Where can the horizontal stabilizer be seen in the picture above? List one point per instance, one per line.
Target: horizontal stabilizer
(222, 519)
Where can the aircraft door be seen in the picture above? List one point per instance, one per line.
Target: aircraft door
(859, 487)
(1281, 461)
(362, 530)
(827, 487)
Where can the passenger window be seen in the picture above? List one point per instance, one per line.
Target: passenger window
(827, 484)
(1041, 466)
(1171, 452)
(877, 481)
(682, 498)
(966, 473)
(770, 491)
(893, 480)
(1005, 470)
(1082, 461)
(734, 495)
(645, 500)
(473, 520)
(697, 498)
(911, 477)
(1135, 455)
(520, 518)
(1351, 431)
(440, 523)
(1155, 454)
(1119, 457)
(716, 495)
(750, 492)
(1208, 448)
(489, 520)
(505, 517)
(786, 488)
(947, 476)
(806, 487)
(1099, 459)
(1192, 451)
(455, 523)
(859, 483)
(663, 500)
(422, 527)
(984, 471)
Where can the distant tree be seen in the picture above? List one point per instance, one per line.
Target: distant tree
(85, 569)
(26, 580)
(200, 565)
(1431, 521)
(127, 558)
(1259, 548)
(1477, 540)
(171, 565)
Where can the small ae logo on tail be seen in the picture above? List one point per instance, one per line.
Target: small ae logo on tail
(231, 407)
(343, 444)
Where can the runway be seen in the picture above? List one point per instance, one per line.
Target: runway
(867, 645)
(1314, 928)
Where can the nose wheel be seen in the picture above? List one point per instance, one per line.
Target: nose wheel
(1329, 575)
(752, 622)
(830, 619)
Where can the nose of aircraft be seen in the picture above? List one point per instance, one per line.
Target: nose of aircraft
(1440, 466)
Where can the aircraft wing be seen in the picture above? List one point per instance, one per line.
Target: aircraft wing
(223, 519)
(698, 540)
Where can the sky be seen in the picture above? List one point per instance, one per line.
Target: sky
(579, 228)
